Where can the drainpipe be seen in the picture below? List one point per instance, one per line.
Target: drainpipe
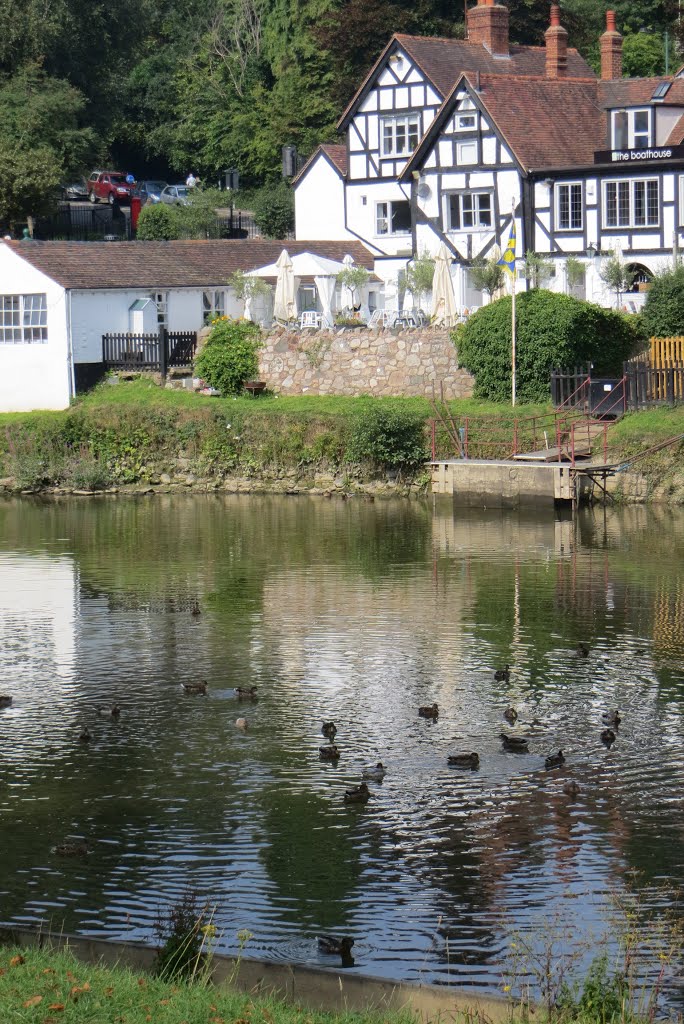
(70, 349)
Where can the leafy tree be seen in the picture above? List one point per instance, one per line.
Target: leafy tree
(419, 274)
(617, 275)
(664, 307)
(273, 208)
(643, 55)
(353, 278)
(230, 355)
(487, 275)
(28, 182)
(538, 269)
(552, 330)
(158, 223)
(248, 288)
(575, 272)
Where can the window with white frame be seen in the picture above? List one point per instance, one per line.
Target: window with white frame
(466, 152)
(470, 211)
(569, 206)
(631, 128)
(465, 118)
(161, 301)
(400, 134)
(393, 218)
(213, 304)
(23, 319)
(631, 203)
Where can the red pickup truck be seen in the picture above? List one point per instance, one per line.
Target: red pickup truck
(110, 186)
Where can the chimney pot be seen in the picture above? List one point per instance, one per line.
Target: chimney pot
(610, 21)
(556, 39)
(488, 26)
(555, 15)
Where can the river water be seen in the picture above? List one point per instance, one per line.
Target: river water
(357, 613)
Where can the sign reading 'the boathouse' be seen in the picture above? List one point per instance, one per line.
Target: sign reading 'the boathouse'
(634, 156)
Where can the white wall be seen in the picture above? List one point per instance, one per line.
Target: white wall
(34, 376)
(319, 204)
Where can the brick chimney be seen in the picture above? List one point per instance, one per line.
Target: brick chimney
(488, 26)
(556, 38)
(611, 49)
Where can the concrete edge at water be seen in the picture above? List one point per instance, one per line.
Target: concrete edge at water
(316, 988)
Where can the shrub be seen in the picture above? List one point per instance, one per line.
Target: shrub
(273, 209)
(158, 223)
(664, 306)
(387, 437)
(182, 932)
(552, 330)
(230, 356)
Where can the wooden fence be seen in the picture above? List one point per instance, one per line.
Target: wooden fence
(156, 351)
(665, 352)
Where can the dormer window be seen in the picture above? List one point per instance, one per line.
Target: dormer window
(400, 134)
(631, 129)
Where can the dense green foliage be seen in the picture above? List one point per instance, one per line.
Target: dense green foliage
(230, 355)
(664, 307)
(196, 220)
(273, 208)
(158, 223)
(160, 87)
(387, 437)
(552, 330)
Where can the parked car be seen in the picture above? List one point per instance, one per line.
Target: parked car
(111, 186)
(150, 191)
(74, 190)
(175, 195)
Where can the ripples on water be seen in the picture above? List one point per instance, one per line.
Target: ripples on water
(359, 614)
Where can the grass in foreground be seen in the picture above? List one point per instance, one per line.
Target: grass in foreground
(43, 987)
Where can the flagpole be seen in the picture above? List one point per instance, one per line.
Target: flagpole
(513, 338)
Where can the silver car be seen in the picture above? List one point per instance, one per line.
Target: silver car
(175, 195)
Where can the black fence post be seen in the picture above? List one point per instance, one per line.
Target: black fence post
(163, 352)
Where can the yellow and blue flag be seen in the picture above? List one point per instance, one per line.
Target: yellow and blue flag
(508, 259)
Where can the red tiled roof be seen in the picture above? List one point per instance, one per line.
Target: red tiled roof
(547, 123)
(181, 264)
(630, 92)
(443, 60)
(676, 136)
(337, 155)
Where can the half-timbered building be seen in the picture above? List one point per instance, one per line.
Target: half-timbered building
(448, 140)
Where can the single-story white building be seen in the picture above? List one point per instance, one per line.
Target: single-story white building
(57, 300)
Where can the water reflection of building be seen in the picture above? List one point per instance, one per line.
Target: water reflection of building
(490, 532)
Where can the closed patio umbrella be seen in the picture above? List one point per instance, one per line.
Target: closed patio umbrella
(444, 310)
(284, 305)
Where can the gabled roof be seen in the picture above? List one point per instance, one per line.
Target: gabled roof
(180, 264)
(334, 153)
(442, 61)
(676, 136)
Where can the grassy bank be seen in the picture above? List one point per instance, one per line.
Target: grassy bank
(135, 433)
(42, 987)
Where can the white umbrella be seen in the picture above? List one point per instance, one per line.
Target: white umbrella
(347, 293)
(325, 285)
(284, 305)
(443, 299)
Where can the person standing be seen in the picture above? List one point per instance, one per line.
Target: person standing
(191, 180)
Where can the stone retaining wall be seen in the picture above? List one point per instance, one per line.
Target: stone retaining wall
(351, 361)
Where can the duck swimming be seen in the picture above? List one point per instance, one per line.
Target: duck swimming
(5, 700)
(195, 610)
(429, 711)
(195, 688)
(329, 944)
(113, 712)
(329, 753)
(611, 718)
(464, 760)
(86, 735)
(582, 651)
(502, 675)
(515, 744)
(554, 760)
(241, 723)
(608, 738)
(246, 692)
(71, 849)
(511, 715)
(571, 788)
(357, 795)
(329, 729)
(378, 772)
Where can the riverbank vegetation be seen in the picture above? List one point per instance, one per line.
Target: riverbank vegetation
(136, 433)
